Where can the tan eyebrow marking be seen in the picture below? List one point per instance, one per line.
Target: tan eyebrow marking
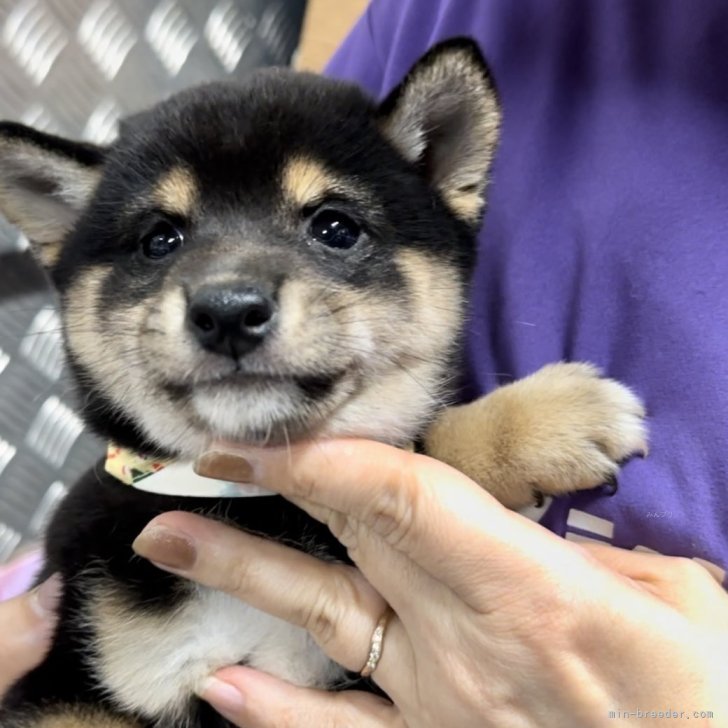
(176, 191)
(305, 180)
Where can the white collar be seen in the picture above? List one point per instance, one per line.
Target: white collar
(171, 477)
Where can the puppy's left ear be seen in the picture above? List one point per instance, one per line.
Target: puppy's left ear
(445, 117)
(45, 183)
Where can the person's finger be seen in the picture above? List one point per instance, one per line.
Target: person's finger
(332, 601)
(420, 507)
(26, 630)
(254, 699)
(682, 583)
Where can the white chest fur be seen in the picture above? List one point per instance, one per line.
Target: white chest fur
(153, 663)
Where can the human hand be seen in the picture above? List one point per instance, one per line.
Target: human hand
(497, 621)
(26, 629)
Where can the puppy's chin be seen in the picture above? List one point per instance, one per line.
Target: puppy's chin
(262, 413)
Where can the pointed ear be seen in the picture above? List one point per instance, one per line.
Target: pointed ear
(45, 182)
(445, 117)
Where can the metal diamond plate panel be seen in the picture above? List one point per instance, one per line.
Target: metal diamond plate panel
(75, 67)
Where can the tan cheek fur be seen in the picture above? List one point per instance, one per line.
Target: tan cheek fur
(413, 342)
(437, 303)
(82, 330)
(108, 352)
(115, 358)
(166, 321)
(307, 327)
(562, 429)
(173, 310)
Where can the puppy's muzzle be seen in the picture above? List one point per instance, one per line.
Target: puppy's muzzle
(231, 320)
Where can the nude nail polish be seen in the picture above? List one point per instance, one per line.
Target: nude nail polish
(166, 548)
(224, 466)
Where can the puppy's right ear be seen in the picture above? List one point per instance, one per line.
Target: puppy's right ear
(445, 118)
(45, 183)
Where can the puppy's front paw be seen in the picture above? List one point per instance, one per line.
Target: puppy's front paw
(578, 425)
(562, 429)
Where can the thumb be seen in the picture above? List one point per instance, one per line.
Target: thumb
(26, 629)
(254, 699)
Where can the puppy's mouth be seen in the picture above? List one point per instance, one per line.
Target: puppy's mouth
(269, 408)
(318, 387)
(312, 386)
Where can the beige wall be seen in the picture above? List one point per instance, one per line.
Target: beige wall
(326, 24)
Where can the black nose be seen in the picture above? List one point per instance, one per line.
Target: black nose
(231, 321)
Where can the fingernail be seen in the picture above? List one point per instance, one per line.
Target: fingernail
(224, 466)
(222, 696)
(166, 547)
(46, 597)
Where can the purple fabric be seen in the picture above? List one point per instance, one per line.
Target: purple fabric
(606, 238)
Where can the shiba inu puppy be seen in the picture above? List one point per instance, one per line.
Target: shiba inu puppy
(265, 262)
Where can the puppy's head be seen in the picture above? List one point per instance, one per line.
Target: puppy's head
(277, 259)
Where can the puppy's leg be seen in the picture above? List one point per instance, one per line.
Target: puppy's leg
(562, 429)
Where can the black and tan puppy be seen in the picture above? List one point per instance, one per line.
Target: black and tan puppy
(265, 262)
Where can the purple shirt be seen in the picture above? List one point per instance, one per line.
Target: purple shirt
(606, 237)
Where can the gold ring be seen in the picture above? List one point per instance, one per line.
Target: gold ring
(377, 643)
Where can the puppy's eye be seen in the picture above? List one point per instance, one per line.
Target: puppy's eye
(334, 229)
(163, 239)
